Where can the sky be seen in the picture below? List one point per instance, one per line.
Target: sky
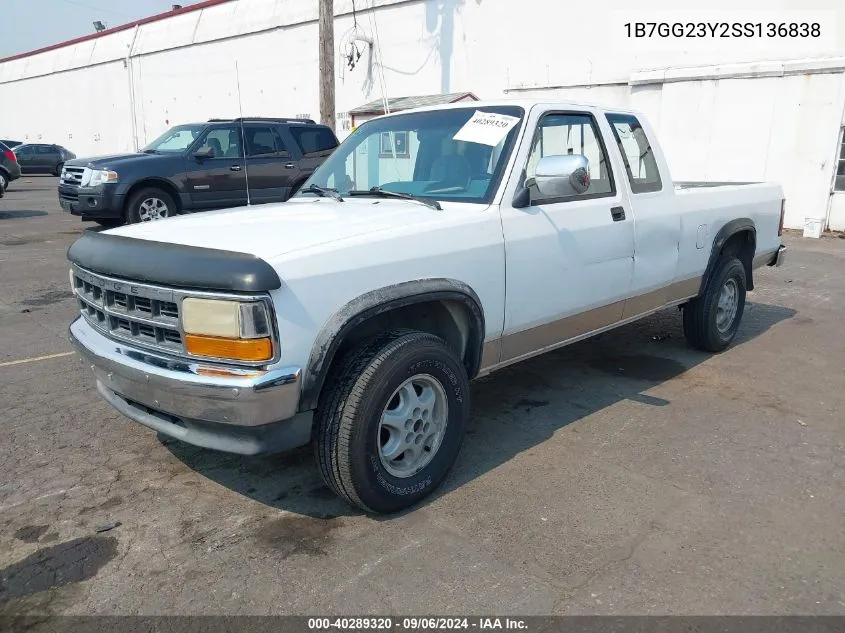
(29, 24)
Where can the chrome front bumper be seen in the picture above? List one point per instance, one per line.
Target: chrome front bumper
(248, 412)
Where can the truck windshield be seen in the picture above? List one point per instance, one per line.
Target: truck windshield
(175, 141)
(455, 154)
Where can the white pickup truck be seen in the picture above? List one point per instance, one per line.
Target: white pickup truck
(434, 246)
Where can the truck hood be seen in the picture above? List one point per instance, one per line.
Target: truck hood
(112, 161)
(270, 230)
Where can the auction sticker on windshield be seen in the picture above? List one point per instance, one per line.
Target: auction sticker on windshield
(486, 128)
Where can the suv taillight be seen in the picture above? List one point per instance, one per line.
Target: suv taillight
(782, 214)
(10, 155)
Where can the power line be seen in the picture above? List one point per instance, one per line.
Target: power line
(98, 9)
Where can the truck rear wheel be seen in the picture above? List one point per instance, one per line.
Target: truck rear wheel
(391, 424)
(150, 204)
(712, 319)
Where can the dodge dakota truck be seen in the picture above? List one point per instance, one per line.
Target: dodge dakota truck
(434, 246)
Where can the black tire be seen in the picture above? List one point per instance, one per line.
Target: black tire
(58, 170)
(133, 207)
(109, 223)
(702, 314)
(4, 182)
(348, 439)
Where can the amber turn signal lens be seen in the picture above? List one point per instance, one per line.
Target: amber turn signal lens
(236, 349)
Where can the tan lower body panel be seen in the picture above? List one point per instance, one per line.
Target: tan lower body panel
(537, 339)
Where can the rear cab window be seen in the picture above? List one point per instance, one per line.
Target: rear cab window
(637, 153)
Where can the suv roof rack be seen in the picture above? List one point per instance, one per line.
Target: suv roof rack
(259, 118)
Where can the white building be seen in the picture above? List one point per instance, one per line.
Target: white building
(745, 107)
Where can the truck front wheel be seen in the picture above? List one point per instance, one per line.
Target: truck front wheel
(712, 319)
(391, 421)
(150, 204)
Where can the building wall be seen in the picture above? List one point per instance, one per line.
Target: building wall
(259, 57)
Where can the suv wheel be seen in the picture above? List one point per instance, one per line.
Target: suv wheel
(150, 204)
(58, 170)
(4, 182)
(390, 426)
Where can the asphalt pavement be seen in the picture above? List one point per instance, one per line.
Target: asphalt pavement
(627, 474)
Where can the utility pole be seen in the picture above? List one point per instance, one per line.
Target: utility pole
(327, 114)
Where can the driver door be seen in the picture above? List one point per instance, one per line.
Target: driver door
(570, 260)
(219, 181)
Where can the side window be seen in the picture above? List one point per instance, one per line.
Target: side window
(643, 173)
(263, 141)
(46, 149)
(567, 134)
(313, 139)
(224, 141)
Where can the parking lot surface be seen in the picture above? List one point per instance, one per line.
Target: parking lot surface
(627, 474)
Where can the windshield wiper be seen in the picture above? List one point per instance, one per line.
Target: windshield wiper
(384, 193)
(322, 192)
(149, 151)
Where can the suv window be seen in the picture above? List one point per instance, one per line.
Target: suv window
(263, 141)
(224, 141)
(643, 174)
(45, 149)
(314, 139)
(562, 134)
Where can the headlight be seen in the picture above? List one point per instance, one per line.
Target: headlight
(218, 328)
(102, 176)
(72, 280)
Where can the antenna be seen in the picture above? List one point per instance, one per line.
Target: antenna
(243, 136)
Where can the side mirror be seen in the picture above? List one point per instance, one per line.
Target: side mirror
(560, 176)
(205, 152)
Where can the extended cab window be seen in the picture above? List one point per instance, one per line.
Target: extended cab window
(562, 134)
(643, 174)
(313, 140)
(263, 141)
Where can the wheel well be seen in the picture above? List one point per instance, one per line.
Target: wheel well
(452, 319)
(159, 184)
(742, 245)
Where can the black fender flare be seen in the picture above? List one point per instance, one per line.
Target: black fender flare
(730, 229)
(376, 302)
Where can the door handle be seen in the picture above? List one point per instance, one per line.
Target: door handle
(617, 213)
(235, 168)
(289, 165)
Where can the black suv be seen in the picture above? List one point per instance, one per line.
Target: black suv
(42, 158)
(196, 167)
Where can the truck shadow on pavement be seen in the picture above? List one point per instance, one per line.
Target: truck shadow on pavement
(16, 215)
(549, 392)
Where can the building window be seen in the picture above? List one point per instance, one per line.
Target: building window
(394, 142)
(839, 181)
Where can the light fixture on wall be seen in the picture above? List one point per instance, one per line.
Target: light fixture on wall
(99, 26)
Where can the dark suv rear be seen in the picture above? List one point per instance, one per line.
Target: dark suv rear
(9, 168)
(198, 166)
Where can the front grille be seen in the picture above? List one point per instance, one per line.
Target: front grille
(72, 175)
(141, 314)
